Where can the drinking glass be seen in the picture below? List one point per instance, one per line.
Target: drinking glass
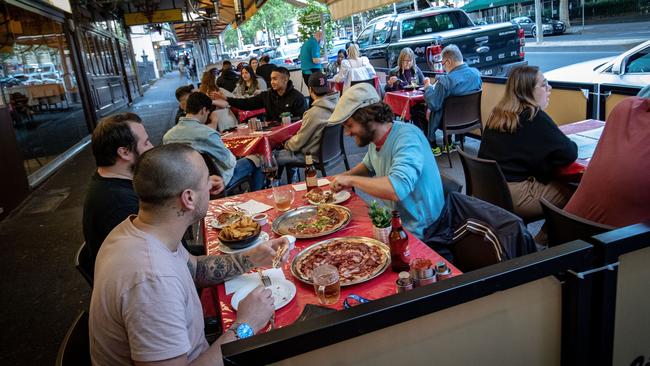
(269, 168)
(283, 198)
(327, 284)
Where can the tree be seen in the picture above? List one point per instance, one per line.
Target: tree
(309, 20)
(564, 12)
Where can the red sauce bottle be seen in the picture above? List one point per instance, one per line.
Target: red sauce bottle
(398, 241)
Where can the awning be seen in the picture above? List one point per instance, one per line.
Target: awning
(477, 5)
(344, 8)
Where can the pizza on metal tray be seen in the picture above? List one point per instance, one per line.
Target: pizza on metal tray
(327, 218)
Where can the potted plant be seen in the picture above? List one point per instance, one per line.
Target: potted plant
(380, 216)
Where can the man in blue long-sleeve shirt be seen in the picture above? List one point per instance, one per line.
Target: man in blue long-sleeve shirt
(459, 80)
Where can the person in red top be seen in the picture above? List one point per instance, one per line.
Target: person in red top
(615, 188)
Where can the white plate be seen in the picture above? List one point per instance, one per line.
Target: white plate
(339, 197)
(264, 236)
(283, 292)
(215, 224)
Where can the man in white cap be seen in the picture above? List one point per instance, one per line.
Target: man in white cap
(398, 168)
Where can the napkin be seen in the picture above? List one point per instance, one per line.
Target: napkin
(252, 280)
(254, 207)
(303, 186)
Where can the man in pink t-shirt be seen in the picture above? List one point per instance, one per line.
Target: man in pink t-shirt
(144, 307)
(615, 189)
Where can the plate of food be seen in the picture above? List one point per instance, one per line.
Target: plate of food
(282, 290)
(226, 218)
(319, 196)
(240, 234)
(312, 221)
(357, 258)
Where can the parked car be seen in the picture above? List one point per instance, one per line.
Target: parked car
(493, 49)
(289, 59)
(631, 68)
(8, 82)
(549, 26)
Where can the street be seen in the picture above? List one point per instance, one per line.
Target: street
(596, 41)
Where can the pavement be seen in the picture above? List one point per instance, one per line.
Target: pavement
(602, 35)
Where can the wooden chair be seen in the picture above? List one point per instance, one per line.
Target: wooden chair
(331, 152)
(75, 348)
(241, 186)
(563, 227)
(83, 263)
(460, 114)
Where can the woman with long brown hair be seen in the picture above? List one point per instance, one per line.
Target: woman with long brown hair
(527, 144)
(208, 83)
(226, 118)
(249, 84)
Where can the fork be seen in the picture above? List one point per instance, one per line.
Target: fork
(266, 281)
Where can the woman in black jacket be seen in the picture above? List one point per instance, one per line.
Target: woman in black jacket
(527, 144)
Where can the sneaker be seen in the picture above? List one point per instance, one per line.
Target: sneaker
(436, 151)
(449, 149)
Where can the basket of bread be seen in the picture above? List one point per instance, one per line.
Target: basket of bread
(240, 234)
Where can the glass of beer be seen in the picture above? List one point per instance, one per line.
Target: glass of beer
(327, 284)
(283, 198)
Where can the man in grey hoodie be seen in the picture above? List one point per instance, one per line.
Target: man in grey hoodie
(307, 140)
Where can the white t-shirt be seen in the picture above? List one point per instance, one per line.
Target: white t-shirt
(144, 305)
(354, 70)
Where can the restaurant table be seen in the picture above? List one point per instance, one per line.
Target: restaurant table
(402, 101)
(360, 225)
(586, 135)
(243, 115)
(338, 86)
(243, 142)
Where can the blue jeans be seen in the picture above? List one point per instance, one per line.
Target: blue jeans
(245, 168)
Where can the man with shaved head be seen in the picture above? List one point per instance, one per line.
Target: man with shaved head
(144, 308)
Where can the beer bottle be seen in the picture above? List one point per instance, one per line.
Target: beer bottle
(310, 173)
(398, 241)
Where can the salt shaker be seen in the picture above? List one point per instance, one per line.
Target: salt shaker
(404, 282)
(442, 271)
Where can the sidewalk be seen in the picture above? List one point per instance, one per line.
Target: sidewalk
(41, 290)
(612, 34)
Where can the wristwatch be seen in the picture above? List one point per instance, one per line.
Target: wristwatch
(242, 330)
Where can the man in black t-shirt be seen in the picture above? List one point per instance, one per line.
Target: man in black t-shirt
(117, 143)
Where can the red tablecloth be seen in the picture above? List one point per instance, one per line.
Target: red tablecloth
(243, 141)
(338, 86)
(244, 115)
(402, 101)
(589, 130)
(381, 286)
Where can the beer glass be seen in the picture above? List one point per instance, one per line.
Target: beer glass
(327, 284)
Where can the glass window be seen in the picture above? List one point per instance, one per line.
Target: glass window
(381, 31)
(364, 38)
(639, 62)
(425, 25)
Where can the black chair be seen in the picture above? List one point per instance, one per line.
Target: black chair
(449, 185)
(563, 227)
(368, 81)
(475, 245)
(241, 186)
(332, 151)
(460, 114)
(75, 348)
(83, 263)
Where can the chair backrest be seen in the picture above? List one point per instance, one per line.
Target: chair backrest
(475, 245)
(75, 348)
(84, 263)
(331, 143)
(368, 81)
(450, 185)
(462, 112)
(484, 180)
(563, 227)
(212, 166)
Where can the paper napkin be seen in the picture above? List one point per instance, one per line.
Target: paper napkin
(254, 207)
(303, 186)
(252, 279)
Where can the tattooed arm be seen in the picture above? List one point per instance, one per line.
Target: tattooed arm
(209, 270)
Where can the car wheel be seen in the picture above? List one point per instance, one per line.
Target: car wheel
(534, 32)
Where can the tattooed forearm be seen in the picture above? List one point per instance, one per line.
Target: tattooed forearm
(211, 270)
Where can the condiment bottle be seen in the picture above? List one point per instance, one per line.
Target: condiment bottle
(404, 282)
(310, 173)
(442, 271)
(398, 241)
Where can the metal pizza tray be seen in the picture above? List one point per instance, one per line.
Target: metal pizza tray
(368, 241)
(287, 220)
